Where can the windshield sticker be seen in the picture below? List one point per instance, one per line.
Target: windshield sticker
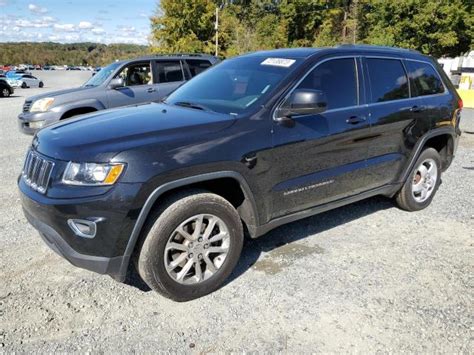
(278, 62)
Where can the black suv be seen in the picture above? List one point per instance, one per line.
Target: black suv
(250, 144)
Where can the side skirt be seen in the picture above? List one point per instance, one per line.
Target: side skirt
(387, 190)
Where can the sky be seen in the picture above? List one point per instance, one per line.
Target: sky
(66, 21)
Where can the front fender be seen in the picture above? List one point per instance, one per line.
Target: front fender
(92, 103)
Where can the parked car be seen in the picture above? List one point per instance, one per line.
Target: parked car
(253, 143)
(29, 81)
(5, 89)
(128, 82)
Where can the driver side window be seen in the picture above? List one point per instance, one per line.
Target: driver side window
(337, 79)
(136, 74)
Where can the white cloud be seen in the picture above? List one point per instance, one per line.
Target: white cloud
(98, 31)
(37, 9)
(84, 25)
(66, 27)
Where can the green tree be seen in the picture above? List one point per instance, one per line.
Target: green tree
(436, 27)
(183, 26)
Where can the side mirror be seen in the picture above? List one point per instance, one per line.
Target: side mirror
(302, 102)
(116, 83)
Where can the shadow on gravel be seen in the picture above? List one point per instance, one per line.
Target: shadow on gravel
(304, 228)
(289, 233)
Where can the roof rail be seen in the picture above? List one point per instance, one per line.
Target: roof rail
(369, 46)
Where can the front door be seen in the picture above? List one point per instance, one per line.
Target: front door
(138, 86)
(322, 157)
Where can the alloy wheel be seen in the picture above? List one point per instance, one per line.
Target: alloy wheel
(197, 249)
(424, 180)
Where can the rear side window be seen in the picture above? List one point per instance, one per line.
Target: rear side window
(388, 80)
(424, 79)
(169, 71)
(337, 78)
(197, 66)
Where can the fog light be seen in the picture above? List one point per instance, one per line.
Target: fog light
(36, 124)
(83, 228)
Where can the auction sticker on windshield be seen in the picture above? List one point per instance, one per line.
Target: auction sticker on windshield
(278, 62)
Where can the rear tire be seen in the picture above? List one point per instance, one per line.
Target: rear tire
(23, 85)
(182, 261)
(422, 183)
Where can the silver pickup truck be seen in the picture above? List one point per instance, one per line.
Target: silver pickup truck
(123, 83)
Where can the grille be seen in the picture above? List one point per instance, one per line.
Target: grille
(37, 172)
(27, 106)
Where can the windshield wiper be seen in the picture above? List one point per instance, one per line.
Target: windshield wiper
(192, 105)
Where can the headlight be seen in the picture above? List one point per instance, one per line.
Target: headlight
(92, 174)
(42, 105)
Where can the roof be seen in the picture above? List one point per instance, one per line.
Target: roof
(307, 52)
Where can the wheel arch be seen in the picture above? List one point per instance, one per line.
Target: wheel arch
(435, 139)
(247, 208)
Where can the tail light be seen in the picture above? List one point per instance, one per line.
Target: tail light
(460, 104)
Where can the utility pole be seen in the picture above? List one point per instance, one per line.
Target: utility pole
(216, 27)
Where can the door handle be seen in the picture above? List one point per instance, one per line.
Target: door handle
(355, 119)
(150, 90)
(417, 108)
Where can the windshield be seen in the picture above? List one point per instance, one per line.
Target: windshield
(102, 76)
(234, 85)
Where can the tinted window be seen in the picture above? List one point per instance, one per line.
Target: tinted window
(197, 66)
(424, 79)
(136, 74)
(169, 71)
(388, 80)
(337, 78)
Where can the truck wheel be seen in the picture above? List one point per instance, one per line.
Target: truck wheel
(192, 245)
(422, 183)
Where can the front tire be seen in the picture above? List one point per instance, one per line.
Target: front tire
(191, 246)
(5, 92)
(41, 84)
(422, 183)
(23, 85)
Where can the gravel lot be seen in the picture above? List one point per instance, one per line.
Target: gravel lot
(363, 278)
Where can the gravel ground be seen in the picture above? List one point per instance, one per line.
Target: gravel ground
(362, 278)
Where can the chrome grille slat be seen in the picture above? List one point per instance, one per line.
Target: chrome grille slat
(37, 172)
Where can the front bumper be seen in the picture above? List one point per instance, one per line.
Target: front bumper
(25, 119)
(104, 253)
(99, 264)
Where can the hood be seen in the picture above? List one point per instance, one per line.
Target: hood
(72, 91)
(99, 136)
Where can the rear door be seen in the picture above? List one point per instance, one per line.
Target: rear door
(138, 85)
(321, 158)
(169, 74)
(196, 66)
(427, 85)
(393, 113)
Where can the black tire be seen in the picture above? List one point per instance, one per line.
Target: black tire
(5, 92)
(23, 85)
(405, 198)
(41, 84)
(150, 258)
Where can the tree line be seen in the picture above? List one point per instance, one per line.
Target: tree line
(75, 54)
(435, 27)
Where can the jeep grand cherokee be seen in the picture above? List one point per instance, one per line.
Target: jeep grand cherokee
(254, 142)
